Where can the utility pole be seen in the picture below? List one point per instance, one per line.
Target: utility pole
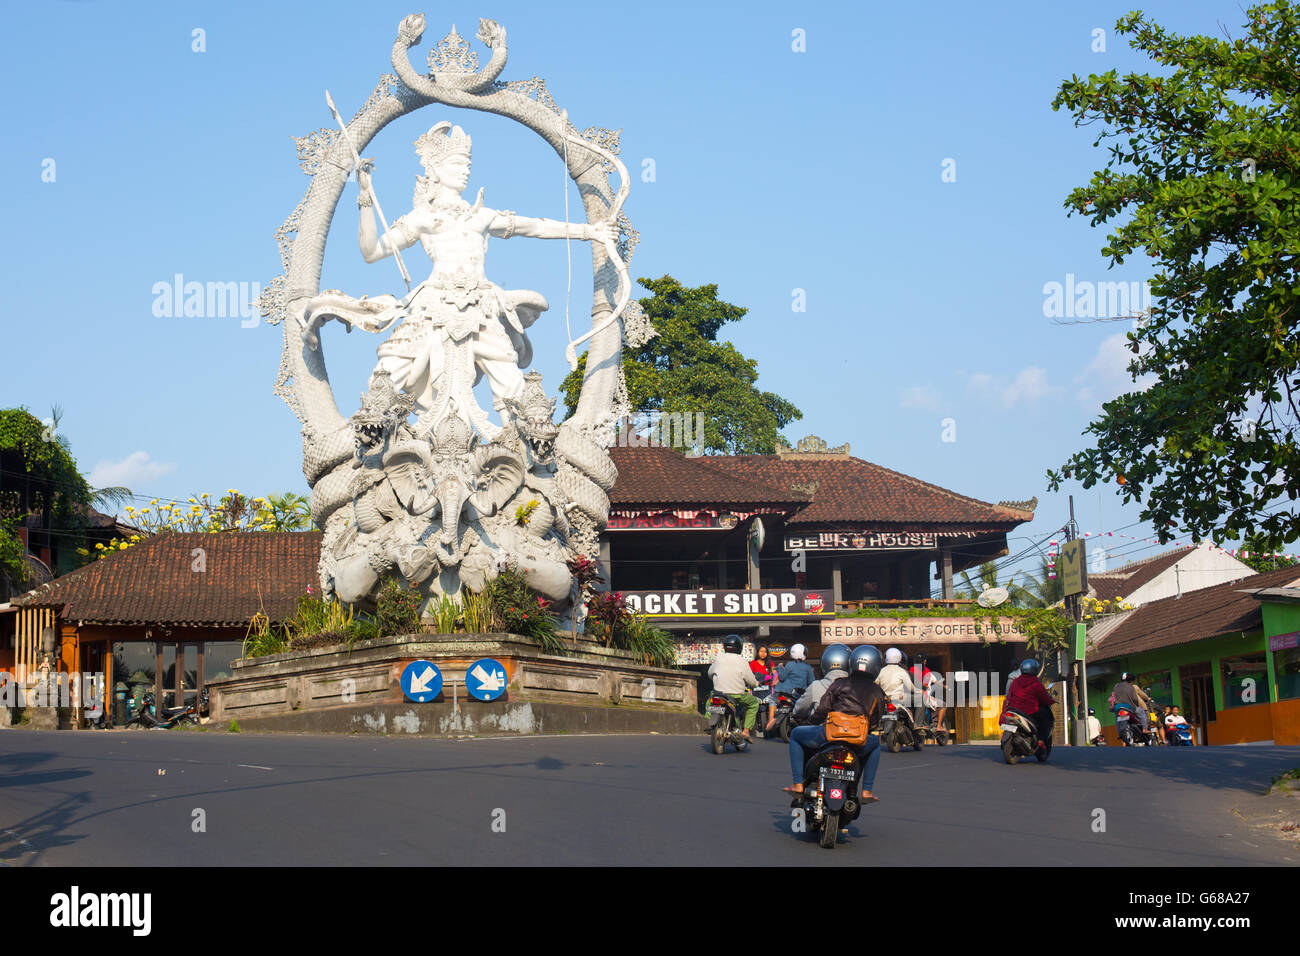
(1075, 608)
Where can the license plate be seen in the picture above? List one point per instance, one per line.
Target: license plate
(715, 711)
(837, 774)
(1012, 728)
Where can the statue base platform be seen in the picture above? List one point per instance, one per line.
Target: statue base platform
(590, 689)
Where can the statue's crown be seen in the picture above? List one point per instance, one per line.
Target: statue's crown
(441, 141)
(533, 398)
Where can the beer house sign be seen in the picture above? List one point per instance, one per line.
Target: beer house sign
(872, 540)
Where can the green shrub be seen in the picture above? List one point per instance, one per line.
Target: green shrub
(398, 608)
(234, 727)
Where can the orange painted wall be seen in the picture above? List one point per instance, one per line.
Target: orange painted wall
(1286, 723)
(1239, 725)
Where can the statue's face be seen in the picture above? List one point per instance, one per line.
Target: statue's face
(454, 172)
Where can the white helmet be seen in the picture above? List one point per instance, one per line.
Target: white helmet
(893, 656)
(797, 652)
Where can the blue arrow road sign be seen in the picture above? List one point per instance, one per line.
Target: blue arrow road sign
(485, 679)
(421, 681)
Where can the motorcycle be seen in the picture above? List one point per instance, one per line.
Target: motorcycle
(830, 791)
(898, 730)
(725, 725)
(786, 721)
(1181, 736)
(189, 716)
(1128, 727)
(1020, 738)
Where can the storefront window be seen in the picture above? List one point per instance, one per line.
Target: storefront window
(217, 657)
(1245, 681)
(1287, 666)
(1159, 686)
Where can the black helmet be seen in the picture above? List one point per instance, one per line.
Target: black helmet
(1091, 712)
(865, 660)
(1126, 676)
(732, 644)
(835, 658)
(1030, 666)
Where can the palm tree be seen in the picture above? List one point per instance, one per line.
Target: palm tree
(988, 578)
(114, 496)
(286, 512)
(1045, 589)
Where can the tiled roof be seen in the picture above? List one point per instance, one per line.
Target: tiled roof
(1209, 612)
(849, 490)
(156, 581)
(664, 476)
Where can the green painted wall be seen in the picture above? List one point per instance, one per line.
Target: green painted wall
(1278, 619)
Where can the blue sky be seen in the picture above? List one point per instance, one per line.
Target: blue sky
(775, 170)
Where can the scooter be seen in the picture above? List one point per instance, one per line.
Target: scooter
(1129, 728)
(830, 791)
(1181, 736)
(1020, 738)
(147, 716)
(725, 725)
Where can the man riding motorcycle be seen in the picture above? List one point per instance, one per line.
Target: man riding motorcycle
(894, 679)
(795, 678)
(733, 679)
(856, 694)
(1028, 696)
(835, 664)
(1128, 694)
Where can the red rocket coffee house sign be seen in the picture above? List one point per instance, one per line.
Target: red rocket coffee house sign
(789, 604)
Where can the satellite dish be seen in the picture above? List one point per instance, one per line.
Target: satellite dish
(993, 597)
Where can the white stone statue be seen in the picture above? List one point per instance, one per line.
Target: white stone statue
(456, 326)
(420, 483)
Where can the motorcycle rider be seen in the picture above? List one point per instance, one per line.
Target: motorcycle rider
(857, 694)
(1028, 696)
(1128, 694)
(1094, 728)
(893, 679)
(733, 679)
(795, 678)
(835, 664)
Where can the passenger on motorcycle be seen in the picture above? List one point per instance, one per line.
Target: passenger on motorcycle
(1128, 694)
(1028, 696)
(857, 694)
(795, 678)
(764, 669)
(733, 679)
(835, 664)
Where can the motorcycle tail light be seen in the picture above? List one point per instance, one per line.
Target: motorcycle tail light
(890, 706)
(717, 701)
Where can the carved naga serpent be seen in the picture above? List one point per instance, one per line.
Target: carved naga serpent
(585, 473)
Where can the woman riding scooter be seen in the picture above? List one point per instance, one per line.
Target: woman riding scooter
(858, 694)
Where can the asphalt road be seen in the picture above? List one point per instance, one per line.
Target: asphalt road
(130, 797)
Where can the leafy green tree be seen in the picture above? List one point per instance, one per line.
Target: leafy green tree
(1259, 553)
(1202, 180)
(686, 370)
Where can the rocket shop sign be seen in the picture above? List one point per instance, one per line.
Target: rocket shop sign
(872, 540)
(785, 603)
(918, 630)
(672, 521)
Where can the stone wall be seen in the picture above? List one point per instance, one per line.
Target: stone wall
(366, 679)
